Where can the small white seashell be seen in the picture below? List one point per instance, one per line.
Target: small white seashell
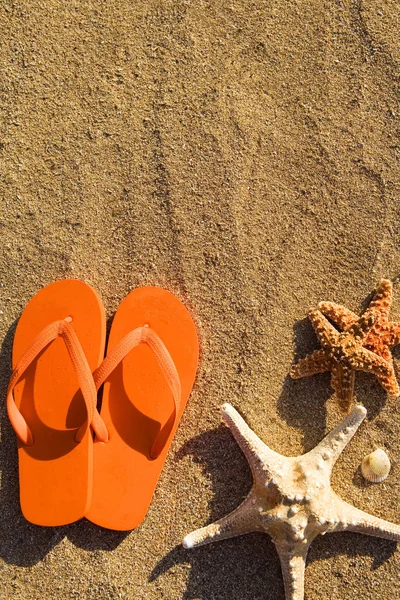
(376, 466)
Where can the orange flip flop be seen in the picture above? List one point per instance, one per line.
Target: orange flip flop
(149, 371)
(51, 400)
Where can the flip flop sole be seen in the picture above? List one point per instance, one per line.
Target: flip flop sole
(55, 473)
(136, 402)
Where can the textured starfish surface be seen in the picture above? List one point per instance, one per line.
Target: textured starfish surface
(292, 499)
(344, 352)
(384, 334)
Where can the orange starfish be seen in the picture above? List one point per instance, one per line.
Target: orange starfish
(343, 353)
(384, 335)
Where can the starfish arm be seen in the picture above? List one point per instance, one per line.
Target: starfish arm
(351, 518)
(361, 328)
(384, 370)
(366, 360)
(382, 298)
(317, 362)
(379, 347)
(326, 333)
(264, 462)
(391, 334)
(329, 449)
(340, 315)
(336, 377)
(342, 381)
(293, 564)
(389, 383)
(242, 520)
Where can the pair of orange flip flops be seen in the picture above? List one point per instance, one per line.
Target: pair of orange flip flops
(75, 461)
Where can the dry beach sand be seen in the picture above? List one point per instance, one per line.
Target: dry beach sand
(245, 155)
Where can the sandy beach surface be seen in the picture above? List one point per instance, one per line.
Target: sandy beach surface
(244, 155)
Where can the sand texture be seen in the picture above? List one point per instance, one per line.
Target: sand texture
(244, 154)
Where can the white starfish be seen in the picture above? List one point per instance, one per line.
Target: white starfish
(292, 499)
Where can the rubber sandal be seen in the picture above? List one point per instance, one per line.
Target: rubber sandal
(149, 372)
(51, 400)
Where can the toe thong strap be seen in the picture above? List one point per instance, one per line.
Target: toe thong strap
(135, 337)
(65, 330)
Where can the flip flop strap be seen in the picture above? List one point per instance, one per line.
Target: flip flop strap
(135, 337)
(44, 338)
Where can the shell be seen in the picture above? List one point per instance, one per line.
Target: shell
(376, 466)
